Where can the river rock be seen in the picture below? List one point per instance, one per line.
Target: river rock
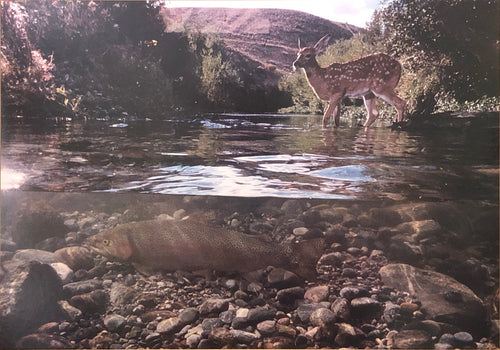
(346, 335)
(120, 294)
(90, 302)
(412, 339)
(304, 311)
(430, 288)
(81, 287)
(43, 341)
(8, 245)
(334, 259)
(259, 314)
(33, 227)
(189, 315)
(243, 337)
(69, 311)
(421, 229)
(75, 257)
(213, 305)
(51, 244)
(341, 309)
(463, 339)
(29, 295)
(170, 325)
(317, 294)
(351, 292)
(289, 295)
(280, 278)
(322, 212)
(41, 256)
(322, 317)
(365, 306)
(267, 327)
(114, 322)
(64, 272)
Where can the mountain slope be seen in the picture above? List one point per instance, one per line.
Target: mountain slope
(266, 36)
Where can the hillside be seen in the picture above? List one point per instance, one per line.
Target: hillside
(109, 59)
(266, 36)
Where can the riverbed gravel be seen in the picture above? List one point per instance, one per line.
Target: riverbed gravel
(353, 302)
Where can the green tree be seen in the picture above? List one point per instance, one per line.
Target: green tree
(450, 47)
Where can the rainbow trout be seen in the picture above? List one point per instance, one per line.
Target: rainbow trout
(192, 246)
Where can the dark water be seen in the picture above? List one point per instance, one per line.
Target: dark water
(447, 158)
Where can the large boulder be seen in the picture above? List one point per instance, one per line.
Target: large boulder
(28, 294)
(33, 227)
(443, 298)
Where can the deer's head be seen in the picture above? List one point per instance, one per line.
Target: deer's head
(307, 55)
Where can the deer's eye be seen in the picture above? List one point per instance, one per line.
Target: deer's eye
(106, 241)
(308, 56)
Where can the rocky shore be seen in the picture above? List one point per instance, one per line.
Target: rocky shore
(398, 276)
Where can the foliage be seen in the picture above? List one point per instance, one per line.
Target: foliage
(26, 73)
(448, 49)
(216, 75)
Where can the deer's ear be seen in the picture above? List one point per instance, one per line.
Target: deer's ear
(322, 44)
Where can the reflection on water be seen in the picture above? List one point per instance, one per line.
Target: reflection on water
(254, 155)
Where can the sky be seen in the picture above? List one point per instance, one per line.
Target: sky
(357, 12)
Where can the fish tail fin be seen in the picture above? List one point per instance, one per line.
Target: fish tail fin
(305, 256)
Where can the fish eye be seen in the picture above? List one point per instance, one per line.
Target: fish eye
(105, 241)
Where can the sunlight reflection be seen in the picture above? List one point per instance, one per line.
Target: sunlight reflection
(11, 179)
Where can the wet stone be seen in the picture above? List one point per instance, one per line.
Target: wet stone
(353, 292)
(281, 278)
(334, 259)
(463, 339)
(189, 315)
(317, 294)
(41, 256)
(75, 257)
(213, 305)
(209, 324)
(114, 322)
(259, 314)
(43, 341)
(64, 272)
(322, 317)
(70, 312)
(170, 325)
(267, 327)
(349, 273)
(289, 295)
(341, 309)
(346, 334)
(81, 287)
(227, 316)
(304, 311)
(244, 337)
(90, 302)
(412, 339)
(365, 306)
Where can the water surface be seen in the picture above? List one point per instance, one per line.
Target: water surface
(288, 156)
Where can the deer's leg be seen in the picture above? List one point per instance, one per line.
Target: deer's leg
(327, 114)
(336, 114)
(371, 109)
(392, 98)
(333, 108)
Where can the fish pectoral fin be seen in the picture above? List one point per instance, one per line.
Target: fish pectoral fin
(143, 269)
(206, 273)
